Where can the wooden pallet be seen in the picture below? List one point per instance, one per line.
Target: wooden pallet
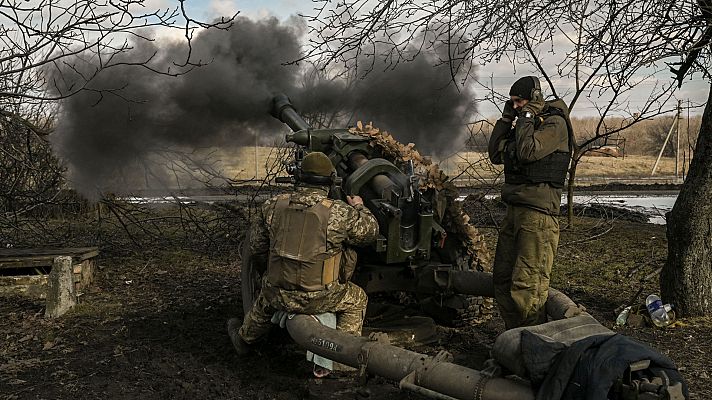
(25, 271)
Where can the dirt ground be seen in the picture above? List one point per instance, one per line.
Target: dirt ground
(153, 325)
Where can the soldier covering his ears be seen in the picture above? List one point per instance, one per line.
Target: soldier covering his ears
(531, 139)
(302, 237)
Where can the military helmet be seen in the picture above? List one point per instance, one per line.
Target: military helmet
(317, 163)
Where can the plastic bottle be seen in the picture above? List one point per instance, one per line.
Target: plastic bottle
(623, 316)
(658, 311)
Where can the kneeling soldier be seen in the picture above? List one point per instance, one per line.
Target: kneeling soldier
(302, 236)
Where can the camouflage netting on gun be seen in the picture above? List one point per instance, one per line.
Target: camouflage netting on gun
(448, 211)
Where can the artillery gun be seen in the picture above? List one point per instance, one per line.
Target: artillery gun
(414, 253)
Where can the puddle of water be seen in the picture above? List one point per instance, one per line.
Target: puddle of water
(655, 206)
(159, 200)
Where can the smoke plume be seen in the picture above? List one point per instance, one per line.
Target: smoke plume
(133, 112)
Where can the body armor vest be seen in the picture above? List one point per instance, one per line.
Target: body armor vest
(298, 256)
(551, 169)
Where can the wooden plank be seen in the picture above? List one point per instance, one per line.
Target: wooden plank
(45, 251)
(43, 257)
(89, 254)
(25, 264)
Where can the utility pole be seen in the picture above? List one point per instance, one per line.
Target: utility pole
(689, 145)
(257, 174)
(675, 123)
(677, 139)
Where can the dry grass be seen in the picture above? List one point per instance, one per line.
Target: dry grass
(240, 164)
(474, 163)
(628, 166)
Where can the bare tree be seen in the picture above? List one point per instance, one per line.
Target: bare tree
(609, 50)
(30, 176)
(686, 278)
(40, 38)
(38, 35)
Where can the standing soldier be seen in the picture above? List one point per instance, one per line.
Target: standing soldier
(302, 236)
(535, 152)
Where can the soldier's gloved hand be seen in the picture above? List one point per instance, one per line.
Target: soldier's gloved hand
(509, 113)
(534, 106)
(280, 318)
(354, 200)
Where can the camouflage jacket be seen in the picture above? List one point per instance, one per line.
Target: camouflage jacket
(354, 226)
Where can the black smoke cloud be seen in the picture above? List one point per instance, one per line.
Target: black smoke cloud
(110, 133)
(417, 102)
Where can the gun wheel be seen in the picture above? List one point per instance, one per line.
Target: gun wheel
(251, 277)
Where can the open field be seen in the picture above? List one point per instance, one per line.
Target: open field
(630, 166)
(240, 164)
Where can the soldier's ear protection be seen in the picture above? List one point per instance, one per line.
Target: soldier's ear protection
(536, 90)
(315, 179)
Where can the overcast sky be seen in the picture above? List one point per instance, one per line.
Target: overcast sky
(501, 75)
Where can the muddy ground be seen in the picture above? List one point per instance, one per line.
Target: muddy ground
(153, 325)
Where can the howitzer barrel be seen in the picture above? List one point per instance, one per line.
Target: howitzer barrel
(283, 110)
(379, 183)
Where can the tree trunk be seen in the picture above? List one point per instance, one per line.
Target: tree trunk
(686, 279)
(575, 158)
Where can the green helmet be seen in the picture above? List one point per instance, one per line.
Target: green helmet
(317, 163)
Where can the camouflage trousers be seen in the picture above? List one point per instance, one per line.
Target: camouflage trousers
(525, 253)
(347, 301)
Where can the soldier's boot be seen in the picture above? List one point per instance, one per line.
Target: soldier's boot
(241, 347)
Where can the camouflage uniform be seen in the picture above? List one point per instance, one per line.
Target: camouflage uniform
(347, 225)
(529, 234)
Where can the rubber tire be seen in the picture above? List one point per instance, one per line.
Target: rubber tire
(251, 277)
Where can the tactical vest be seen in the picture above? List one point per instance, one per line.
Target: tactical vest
(551, 169)
(298, 258)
